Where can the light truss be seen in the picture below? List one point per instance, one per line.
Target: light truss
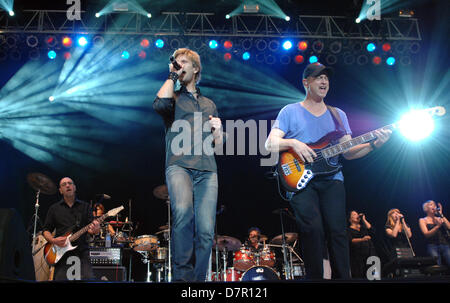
(209, 24)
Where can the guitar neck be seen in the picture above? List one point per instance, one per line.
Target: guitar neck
(79, 233)
(340, 148)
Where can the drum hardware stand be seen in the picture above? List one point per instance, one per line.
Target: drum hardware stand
(36, 207)
(287, 267)
(146, 260)
(169, 240)
(224, 257)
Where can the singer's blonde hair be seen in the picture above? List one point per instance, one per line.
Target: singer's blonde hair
(390, 222)
(425, 205)
(194, 57)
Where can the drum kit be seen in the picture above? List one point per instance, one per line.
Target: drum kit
(248, 263)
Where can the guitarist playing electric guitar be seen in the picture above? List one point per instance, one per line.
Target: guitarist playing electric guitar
(67, 215)
(319, 206)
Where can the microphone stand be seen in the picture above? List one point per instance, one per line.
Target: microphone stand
(407, 238)
(287, 267)
(36, 207)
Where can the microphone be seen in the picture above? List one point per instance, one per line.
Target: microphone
(175, 63)
(438, 212)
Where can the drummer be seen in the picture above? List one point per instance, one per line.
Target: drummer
(98, 210)
(254, 238)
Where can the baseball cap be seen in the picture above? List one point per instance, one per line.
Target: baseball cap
(316, 69)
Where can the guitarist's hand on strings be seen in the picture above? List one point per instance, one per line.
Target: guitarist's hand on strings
(305, 153)
(382, 136)
(94, 227)
(59, 241)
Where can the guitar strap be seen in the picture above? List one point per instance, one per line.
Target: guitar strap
(337, 119)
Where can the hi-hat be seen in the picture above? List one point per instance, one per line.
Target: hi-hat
(161, 192)
(290, 237)
(41, 183)
(229, 243)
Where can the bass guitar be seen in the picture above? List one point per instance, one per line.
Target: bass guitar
(295, 174)
(53, 253)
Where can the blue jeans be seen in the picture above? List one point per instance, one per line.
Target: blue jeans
(439, 251)
(193, 200)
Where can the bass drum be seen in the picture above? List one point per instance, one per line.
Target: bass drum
(260, 273)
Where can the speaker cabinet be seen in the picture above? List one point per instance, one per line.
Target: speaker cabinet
(110, 273)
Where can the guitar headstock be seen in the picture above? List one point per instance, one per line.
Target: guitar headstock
(114, 211)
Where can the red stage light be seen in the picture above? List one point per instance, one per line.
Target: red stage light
(228, 44)
(302, 45)
(142, 55)
(67, 41)
(227, 56)
(386, 47)
(376, 60)
(299, 59)
(145, 43)
(67, 56)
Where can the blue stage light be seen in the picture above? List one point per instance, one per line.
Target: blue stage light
(159, 43)
(390, 61)
(82, 41)
(313, 59)
(125, 55)
(213, 44)
(371, 47)
(246, 56)
(287, 45)
(51, 54)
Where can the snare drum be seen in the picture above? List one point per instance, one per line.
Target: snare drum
(260, 273)
(267, 257)
(145, 243)
(243, 259)
(160, 254)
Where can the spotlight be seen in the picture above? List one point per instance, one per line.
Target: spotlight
(274, 45)
(376, 60)
(97, 15)
(261, 45)
(82, 41)
(11, 13)
(247, 44)
(51, 98)
(299, 59)
(414, 48)
(227, 16)
(227, 57)
(125, 55)
(149, 15)
(67, 56)
(32, 41)
(317, 46)
(386, 47)
(362, 60)
(331, 59)
(175, 43)
(302, 45)
(371, 47)
(349, 59)
(287, 18)
(405, 60)
(390, 61)
(67, 41)
(159, 43)
(98, 41)
(416, 125)
(213, 44)
(142, 55)
(51, 54)
(145, 43)
(270, 59)
(285, 59)
(246, 56)
(227, 44)
(336, 47)
(51, 41)
(287, 45)
(313, 59)
(358, 20)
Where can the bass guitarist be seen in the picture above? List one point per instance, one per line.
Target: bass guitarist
(70, 214)
(319, 207)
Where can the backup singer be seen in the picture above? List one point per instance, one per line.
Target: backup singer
(397, 231)
(320, 207)
(361, 246)
(191, 174)
(435, 227)
(70, 214)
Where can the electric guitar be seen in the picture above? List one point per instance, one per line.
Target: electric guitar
(53, 253)
(295, 174)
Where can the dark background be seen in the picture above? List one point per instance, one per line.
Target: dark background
(400, 175)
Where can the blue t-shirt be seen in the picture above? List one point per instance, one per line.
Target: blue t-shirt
(298, 123)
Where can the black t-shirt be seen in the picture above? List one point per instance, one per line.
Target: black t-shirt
(63, 219)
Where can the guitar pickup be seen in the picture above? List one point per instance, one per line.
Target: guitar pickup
(286, 169)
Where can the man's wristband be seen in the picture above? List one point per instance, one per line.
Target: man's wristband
(372, 144)
(173, 76)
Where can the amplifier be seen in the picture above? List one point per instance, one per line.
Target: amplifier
(105, 256)
(110, 273)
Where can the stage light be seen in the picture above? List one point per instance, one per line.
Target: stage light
(302, 45)
(97, 15)
(313, 59)
(227, 16)
(67, 41)
(213, 44)
(287, 45)
(11, 13)
(390, 61)
(82, 41)
(51, 98)
(274, 45)
(51, 41)
(51, 54)
(149, 15)
(67, 56)
(376, 60)
(246, 56)
(125, 55)
(159, 43)
(145, 43)
(299, 59)
(331, 59)
(32, 41)
(142, 55)
(227, 57)
(362, 60)
(358, 20)
(287, 18)
(285, 59)
(227, 44)
(336, 47)
(386, 47)
(98, 41)
(261, 45)
(371, 47)
(416, 125)
(414, 48)
(317, 46)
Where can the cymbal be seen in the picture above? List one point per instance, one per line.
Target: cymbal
(263, 238)
(290, 237)
(41, 183)
(164, 227)
(161, 192)
(162, 231)
(228, 243)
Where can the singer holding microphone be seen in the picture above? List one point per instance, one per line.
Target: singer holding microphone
(435, 227)
(191, 170)
(360, 234)
(398, 232)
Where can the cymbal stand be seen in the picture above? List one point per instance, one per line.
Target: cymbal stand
(169, 241)
(224, 257)
(146, 260)
(36, 207)
(287, 267)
